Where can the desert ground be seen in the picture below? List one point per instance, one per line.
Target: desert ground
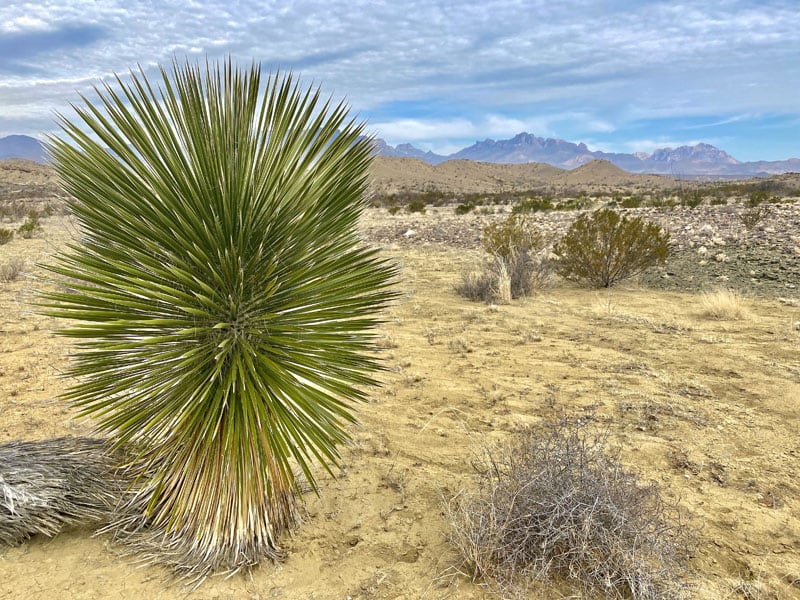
(708, 409)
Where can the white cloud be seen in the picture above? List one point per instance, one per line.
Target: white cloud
(648, 146)
(23, 23)
(406, 130)
(519, 65)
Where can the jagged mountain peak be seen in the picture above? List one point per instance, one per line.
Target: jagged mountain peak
(699, 152)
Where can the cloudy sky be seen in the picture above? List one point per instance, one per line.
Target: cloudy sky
(619, 75)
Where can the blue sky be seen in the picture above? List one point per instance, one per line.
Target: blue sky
(620, 76)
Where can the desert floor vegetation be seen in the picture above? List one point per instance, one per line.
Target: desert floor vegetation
(704, 408)
(725, 304)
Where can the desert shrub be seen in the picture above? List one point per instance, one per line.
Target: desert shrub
(513, 235)
(605, 247)
(416, 206)
(691, 198)
(463, 209)
(724, 305)
(555, 505)
(516, 264)
(494, 283)
(393, 210)
(578, 203)
(753, 214)
(662, 201)
(11, 270)
(31, 226)
(533, 205)
(6, 235)
(758, 197)
(631, 202)
(13, 211)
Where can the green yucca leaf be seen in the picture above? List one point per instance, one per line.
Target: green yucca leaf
(222, 302)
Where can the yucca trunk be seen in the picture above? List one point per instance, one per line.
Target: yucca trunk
(224, 303)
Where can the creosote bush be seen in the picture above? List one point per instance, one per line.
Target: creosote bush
(6, 235)
(31, 226)
(753, 214)
(516, 264)
(416, 206)
(604, 247)
(556, 506)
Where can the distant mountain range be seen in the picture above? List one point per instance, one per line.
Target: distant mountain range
(685, 161)
(22, 146)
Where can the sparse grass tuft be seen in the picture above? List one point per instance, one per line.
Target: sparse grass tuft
(11, 270)
(724, 305)
(6, 235)
(556, 506)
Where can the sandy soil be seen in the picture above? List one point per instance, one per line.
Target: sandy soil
(708, 409)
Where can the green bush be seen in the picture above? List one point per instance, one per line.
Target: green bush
(692, 198)
(758, 197)
(753, 214)
(6, 235)
(605, 247)
(463, 209)
(416, 206)
(510, 237)
(632, 202)
(516, 264)
(533, 205)
(31, 226)
(577, 203)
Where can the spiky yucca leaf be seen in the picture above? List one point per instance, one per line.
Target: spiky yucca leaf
(223, 300)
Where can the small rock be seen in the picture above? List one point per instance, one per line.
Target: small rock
(410, 233)
(702, 250)
(721, 257)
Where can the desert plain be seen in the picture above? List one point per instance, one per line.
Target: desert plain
(707, 408)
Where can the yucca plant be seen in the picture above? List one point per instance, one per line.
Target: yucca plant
(223, 303)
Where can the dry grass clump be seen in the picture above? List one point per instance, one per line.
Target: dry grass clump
(47, 485)
(11, 270)
(555, 507)
(6, 235)
(725, 305)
